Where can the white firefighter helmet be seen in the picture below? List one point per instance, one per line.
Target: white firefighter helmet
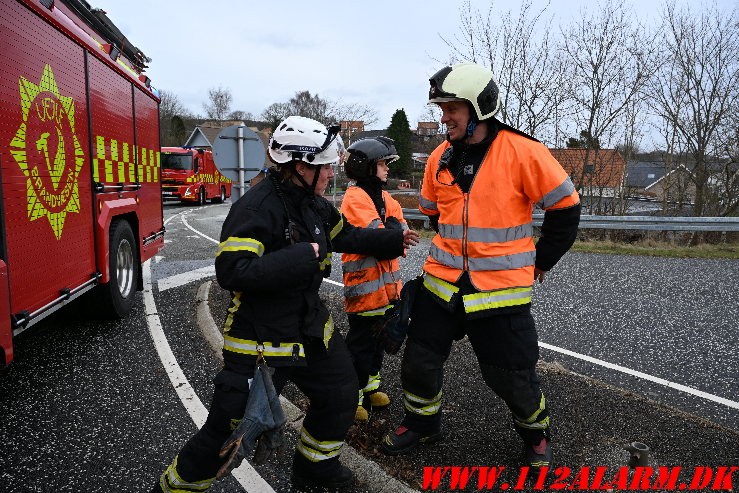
(467, 82)
(301, 139)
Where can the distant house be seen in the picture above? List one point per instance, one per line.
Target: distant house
(419, 160)
(365, 134)
(349, 128)
(641, 174)
(676, 185)
(203, 136)
(596, 172)
(427, 128)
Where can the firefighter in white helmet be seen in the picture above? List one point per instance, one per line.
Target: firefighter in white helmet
(479, 190)
(275, 250)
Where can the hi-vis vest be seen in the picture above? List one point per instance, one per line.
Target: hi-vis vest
(369, 284)
(488, 231)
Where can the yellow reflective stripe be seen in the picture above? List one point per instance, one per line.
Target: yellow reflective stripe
(419, 405)
(234, 244)
(326, 262)
(532, 418)
(245, 346)
(375, 312)
(232, 311)
(316, 450)
(440, 287)
(373, 383)
(486, 300)
(337, 228)
(328, 330)
(172, 482)
(541, 425)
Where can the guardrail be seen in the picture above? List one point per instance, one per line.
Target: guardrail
(650, 223)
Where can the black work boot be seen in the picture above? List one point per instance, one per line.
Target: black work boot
(339, 479)
(403, 440)
(538, 456)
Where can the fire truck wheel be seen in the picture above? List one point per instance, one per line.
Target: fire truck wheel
(201, 196)
(118, 294)
(221, 198)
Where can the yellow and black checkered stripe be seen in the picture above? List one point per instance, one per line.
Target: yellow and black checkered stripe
(115, 162)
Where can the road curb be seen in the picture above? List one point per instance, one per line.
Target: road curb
(367, 472)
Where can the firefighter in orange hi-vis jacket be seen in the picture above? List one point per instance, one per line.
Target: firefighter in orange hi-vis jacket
(479, 190)
(371, 285)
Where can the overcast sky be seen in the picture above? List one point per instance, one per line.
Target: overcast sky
(378, 53)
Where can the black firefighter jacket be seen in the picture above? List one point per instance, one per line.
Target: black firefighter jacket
(274, 281)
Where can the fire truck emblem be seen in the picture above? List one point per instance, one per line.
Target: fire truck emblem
(48, 152)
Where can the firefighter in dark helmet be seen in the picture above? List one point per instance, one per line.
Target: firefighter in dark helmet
(275, 250)
(479, 189)
(371, 285)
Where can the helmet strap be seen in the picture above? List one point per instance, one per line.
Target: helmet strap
(302, 181)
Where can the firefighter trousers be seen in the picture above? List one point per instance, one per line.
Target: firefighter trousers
(328, 381)
(367, 353)
(506, 348)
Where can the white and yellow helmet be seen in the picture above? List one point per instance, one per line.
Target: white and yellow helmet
(467, 82)
(302, 139)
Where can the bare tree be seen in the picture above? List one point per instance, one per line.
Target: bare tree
(275, 113)
(326, 111)
(240, 115)
(171, 115)
(533, 87)
(696, 90)
(353, 112)
(219, 102)
(609, 60)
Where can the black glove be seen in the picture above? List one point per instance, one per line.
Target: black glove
(393, 327)
(263, 417)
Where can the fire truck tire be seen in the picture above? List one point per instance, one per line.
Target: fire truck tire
(118, 294)
(201, 196)
(221, 198)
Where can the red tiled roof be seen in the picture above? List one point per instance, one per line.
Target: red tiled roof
(608, 170)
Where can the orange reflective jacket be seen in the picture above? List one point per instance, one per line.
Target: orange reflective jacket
(488, 231)
(369, 284)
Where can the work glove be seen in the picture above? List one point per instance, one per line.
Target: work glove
(263, 419)
(393, 328)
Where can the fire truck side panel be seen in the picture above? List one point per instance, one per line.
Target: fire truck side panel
(47, 201)
(147, 142)
(6, 331)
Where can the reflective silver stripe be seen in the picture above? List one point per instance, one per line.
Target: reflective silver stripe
(373, 383)
(501, 262)
(234, 244)
(245, 346)
(361, 264)
(496, 299)
(404, 226)
(446, 258)
(565, 189)
(427, 204)
(374, 224)
(315, 450)
(440, 287)
(486, 235)
(368, 286)
(419, 405)
(172, 478)
(541, 425)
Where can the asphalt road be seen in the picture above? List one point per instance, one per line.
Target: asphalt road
(88, 405)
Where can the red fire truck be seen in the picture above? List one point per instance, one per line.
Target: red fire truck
(80, 192)
(190, 175)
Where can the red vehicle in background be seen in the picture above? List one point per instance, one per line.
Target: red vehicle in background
(80, 190)
(189, 174)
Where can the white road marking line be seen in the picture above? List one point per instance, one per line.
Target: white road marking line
(184, 221)
(628, 371)
(645, 376)
(186, 277)
(244, 474)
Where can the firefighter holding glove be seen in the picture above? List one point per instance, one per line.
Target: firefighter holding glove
(275, 250)
(479, 189)
(372, 285)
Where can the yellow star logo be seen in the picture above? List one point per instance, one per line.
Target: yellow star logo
(40, 148)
